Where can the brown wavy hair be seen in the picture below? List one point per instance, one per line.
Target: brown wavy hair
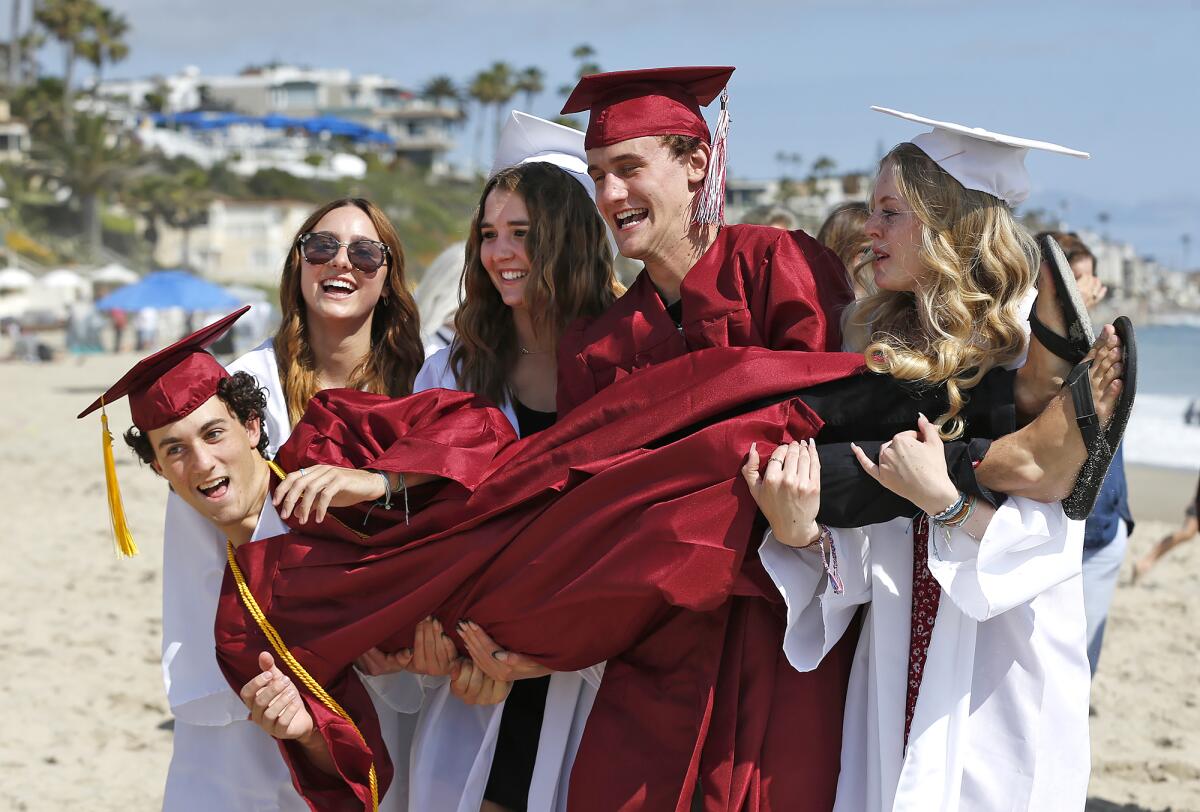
(842, 233)
(968, 319)
(570, 275)
(396, 351)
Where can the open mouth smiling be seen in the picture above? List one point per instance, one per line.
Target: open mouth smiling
(337, 287)
(214, 489)
(630, 218)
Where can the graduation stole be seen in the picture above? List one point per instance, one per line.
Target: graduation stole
(282, 652)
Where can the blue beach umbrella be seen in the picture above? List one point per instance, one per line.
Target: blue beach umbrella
(278, 122)
(334, 126)
(169, 289)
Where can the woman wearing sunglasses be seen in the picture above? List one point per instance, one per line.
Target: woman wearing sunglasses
(348, 320)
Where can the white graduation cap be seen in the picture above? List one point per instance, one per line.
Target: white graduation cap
(980, 159)
(527, 138)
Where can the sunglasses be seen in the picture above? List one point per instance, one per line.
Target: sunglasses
(364, 255)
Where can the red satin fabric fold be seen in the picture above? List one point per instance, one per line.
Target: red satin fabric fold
(619, 534)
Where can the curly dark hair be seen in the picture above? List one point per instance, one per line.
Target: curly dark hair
(244, 397)
(680, 145)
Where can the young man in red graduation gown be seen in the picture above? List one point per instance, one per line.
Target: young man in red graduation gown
(772, 733)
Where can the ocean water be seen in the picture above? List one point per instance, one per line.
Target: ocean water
(1168, 381)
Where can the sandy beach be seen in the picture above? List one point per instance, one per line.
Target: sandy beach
(88, 719)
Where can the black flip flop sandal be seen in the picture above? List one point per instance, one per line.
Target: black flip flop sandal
(1101, 444)
(1080, 335)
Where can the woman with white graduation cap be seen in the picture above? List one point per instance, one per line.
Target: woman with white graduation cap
(538, 257)
(969, 688)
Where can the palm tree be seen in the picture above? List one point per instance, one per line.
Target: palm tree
(504, 88)
(39, 105)
(91, 165)
(531, 82)
(583, 52)
(440, 88)
(823, 166)
(186, 200)
(178, 195)
(67, 21)
(482, 91)
(105, 43)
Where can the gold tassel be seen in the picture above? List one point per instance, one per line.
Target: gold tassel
(116, 510)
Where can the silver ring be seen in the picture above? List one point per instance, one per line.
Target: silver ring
(773, 459)
(302, 472)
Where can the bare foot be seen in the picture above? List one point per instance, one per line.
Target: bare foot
(1140, 568)
(1042, 460)
(1039, 380)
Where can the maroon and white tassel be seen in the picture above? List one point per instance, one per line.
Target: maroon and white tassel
(710, 204)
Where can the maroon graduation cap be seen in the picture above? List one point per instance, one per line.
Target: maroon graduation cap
(659, 101)
(162, 388)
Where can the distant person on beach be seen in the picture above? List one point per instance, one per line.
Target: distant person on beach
(348, 320)
(145, 328)
(1192, 415)
(120, 320)
(1107, 531)
(842, 233)
(1185, 533)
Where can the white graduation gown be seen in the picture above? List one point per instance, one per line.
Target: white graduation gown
(220, 760)
(1001, 721)
(454, 744)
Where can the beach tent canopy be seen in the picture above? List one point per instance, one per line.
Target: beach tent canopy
(15, 279)
(114, 274)
(63, 278)
(169, 289)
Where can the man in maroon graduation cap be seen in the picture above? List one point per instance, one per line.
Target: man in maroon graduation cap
(773, 733)
(200, 428)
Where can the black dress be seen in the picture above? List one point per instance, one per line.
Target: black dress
(521, 721)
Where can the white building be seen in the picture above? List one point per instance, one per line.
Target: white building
(420, 131)
(14, 136)
(244, 242)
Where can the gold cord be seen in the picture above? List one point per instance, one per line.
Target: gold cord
(281, 650)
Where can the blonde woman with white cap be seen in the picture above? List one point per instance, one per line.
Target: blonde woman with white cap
(969, 689)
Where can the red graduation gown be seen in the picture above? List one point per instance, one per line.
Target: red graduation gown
(773, 734)
(618, 534)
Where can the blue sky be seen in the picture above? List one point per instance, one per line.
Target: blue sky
(1121, 81)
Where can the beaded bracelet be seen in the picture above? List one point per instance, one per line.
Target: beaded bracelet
(942, 516)
(829, 560)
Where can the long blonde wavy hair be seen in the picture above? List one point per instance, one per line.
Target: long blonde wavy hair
(396, 353)
(966, 318)
(570, 275)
